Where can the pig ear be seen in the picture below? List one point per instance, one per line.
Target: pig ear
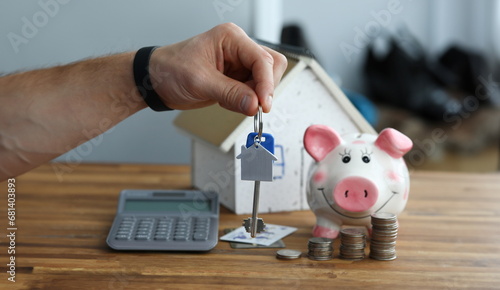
(319, 140)
(393, 142)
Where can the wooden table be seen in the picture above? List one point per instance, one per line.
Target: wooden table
(449, 238)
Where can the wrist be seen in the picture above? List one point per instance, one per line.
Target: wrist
(143, 78)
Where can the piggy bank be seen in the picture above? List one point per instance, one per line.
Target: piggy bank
(354, 176)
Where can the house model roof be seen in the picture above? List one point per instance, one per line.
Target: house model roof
(220, 127)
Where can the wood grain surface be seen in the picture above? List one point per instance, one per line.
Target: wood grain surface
(449, 238)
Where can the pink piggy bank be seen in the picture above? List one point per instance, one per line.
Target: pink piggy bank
(354, 176)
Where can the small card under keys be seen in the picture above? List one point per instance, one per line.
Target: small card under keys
(272, 234)
(240, 245)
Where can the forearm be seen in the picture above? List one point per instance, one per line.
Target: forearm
(47, 112)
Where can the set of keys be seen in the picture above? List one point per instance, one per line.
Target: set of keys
(257, 157)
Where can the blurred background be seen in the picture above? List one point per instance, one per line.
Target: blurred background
(427, 68)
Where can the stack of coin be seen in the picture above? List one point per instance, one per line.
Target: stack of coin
(352, 244)
(288, 254)
(384, 234)
(320, 249)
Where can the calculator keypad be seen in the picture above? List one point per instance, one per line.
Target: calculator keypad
(163, 229)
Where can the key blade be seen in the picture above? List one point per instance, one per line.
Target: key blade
(253, 223)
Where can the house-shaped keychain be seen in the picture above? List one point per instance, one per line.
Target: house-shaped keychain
(256, 163)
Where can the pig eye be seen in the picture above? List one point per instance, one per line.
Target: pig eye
(346, 157)
(366, 156)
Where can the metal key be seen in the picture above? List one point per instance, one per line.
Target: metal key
(256, 165)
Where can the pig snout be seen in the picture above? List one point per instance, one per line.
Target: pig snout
(355, 194)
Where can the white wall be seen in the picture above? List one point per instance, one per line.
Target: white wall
(81, 29)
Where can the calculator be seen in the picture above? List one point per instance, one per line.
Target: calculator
(165, 220)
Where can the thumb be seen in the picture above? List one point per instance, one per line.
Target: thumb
(234, 95)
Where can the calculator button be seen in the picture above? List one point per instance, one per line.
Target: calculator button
(142, 233)
(126, 224)
(200, 236)
(161, 237)
(123, 232)
(141, 237)
(180, 237)
(122, 237)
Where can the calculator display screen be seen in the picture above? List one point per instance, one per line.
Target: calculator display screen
(168, 205)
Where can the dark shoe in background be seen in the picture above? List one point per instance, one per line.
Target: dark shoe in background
(469, 73)
(403, 80)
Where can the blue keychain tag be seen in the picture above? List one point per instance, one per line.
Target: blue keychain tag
(267, 141)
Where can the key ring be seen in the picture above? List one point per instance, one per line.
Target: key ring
(257, 124)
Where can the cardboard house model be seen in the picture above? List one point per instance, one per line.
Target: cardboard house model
(305, 96)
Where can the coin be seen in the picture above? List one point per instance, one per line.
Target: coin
(383, 216)
(352, 244)
(319, 240)
(317, 258)
(320, 249)
(288, 254)
(384, 235)
(352, 232)
(320, 252)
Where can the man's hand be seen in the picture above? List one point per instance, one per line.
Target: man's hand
(222, 65)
